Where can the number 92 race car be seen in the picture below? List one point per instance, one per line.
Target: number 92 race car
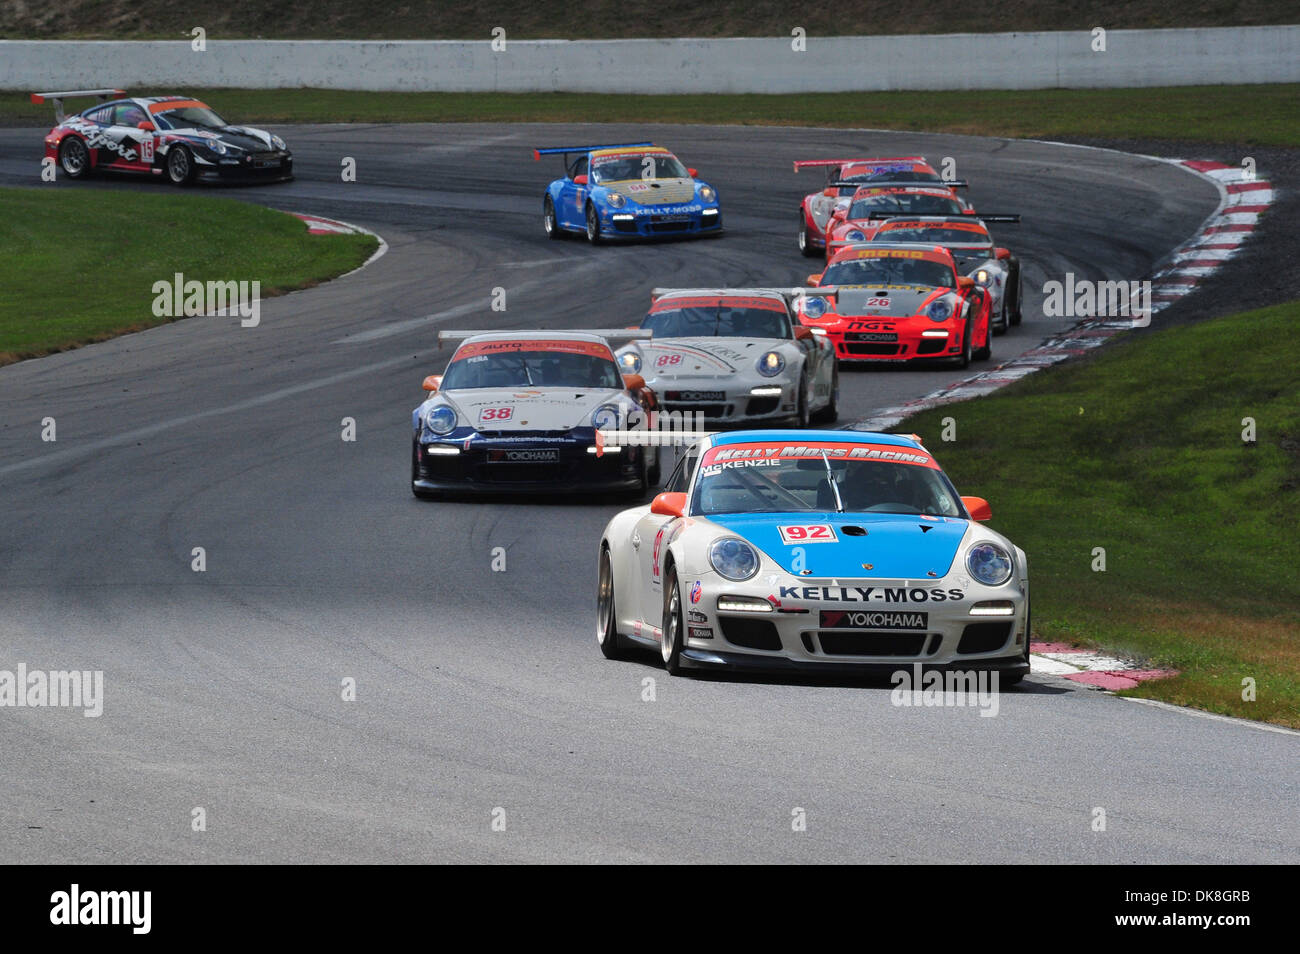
(518, 411)
(815, 551)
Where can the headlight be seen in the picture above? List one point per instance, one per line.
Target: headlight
(989, 563)
(217, 146)
(707, 194)
(605, 417)
(771, 364)
(814, 307)
(983, 276)
(855, 236)
(940, 310)
(733, 558)
(440, 420)
(630, 362)
(278, 143)
(616, 200)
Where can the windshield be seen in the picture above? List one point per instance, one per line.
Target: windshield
(550, 365)
(935, 234)
(706, 318)
(892, 174)
(890, 271)
(905, 204)
(656, 165)
(782, 478)
(188, 116)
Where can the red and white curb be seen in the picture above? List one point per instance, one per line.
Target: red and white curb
(1090, 668)
(1242, 199)
(316, 225)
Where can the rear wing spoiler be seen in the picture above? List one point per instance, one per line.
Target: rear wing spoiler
(58, 97)
(1012, 217)
(892, 184)
(814, 163)
(570, 150)
(609, 334)
(785, 292)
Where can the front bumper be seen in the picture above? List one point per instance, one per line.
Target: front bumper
(905, 339)
(258, 167)
(650, 222)
(524, 463)
(896, 624)
(772, 400)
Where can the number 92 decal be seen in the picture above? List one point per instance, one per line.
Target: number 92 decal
(808, 533)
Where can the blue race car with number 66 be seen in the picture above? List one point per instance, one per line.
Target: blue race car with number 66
(816, 551)
(635, 190)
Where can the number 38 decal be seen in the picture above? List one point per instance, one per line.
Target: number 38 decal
(809, 533)
(496, 414)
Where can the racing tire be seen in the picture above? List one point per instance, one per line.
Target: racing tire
(1015, 678)
(180, 166)
(1016, 283)
(1004, 320)
(672, 637)
(803, 417)
(985, 352)
(74, 157)
(831, 412)
(419, 492)
(806, 248)
(593, 225)
(549, 220)
(962, 361)
(607, 637)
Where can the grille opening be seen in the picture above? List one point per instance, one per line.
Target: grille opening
(854, 347)
(762, 405)
(931, 345)
(872, 644)
(808, 642)
(853, 531)
(750, 633)
(984, 637)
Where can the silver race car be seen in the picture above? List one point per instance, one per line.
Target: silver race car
(967, 237)
(815, 550)
(518, 411)
(734, 355)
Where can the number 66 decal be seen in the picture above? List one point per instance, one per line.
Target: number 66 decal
(808, 533)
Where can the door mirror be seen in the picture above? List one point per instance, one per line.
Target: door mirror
(580, 179)
(801, 333)
(433, 382)
(692, 172)
(1002, 253)
(633, 382)
(965, 282)
(979, 508)
(145, 125)
(815, 280)
(669, 505)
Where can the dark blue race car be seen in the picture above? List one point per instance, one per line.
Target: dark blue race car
(634, 190)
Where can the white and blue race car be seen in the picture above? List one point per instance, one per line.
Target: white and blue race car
(816, 551)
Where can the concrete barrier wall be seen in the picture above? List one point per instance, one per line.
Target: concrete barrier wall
(743, 65)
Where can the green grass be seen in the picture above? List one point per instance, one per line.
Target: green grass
(1249, 115)
(1138, 449)
(79, 265)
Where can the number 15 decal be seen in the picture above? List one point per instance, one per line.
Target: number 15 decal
(146, 149)
(810, 533)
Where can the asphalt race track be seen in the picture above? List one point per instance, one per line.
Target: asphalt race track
(481, 690)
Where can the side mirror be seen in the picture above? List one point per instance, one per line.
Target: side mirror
(840, 214)
(979, 508)
(815, 280)
(801, 333)
(1002, 253)
(669, 505)
(145, 125)
(633, 382)
(965, 282)
(580, 179)
(967, 211)
(433, 382)
(692, 172)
